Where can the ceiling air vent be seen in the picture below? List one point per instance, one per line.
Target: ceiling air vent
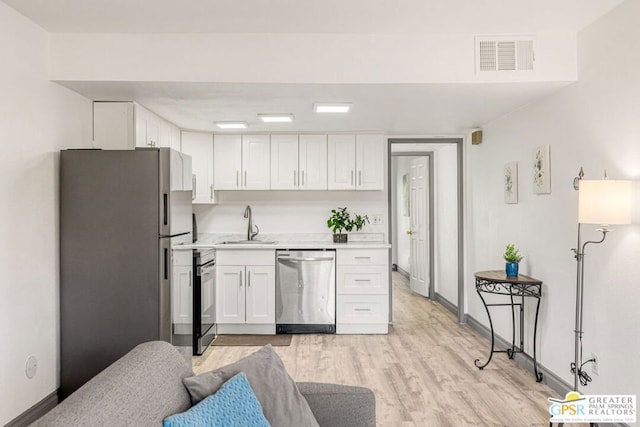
(504, 54)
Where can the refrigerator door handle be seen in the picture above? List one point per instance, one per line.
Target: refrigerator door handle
(165, 209)
(166, 263)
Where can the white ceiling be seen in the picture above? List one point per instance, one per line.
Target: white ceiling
(312, 16)
(432, 109)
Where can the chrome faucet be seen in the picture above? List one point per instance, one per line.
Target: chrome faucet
(250, 233)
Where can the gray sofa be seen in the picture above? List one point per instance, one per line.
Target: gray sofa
(145, 386)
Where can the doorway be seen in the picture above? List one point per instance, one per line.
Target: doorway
(429, 251)
(412, 245)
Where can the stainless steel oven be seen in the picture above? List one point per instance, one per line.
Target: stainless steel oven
(204, 271)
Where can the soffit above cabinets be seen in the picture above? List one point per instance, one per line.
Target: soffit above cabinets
(316, 16)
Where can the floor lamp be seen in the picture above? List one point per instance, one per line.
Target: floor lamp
(603, 202)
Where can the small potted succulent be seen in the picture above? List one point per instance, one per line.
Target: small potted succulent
(340, 220)
(513, 258)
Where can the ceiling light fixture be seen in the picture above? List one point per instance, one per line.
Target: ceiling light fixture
(332, 108)
(231, 125)
(276, 118)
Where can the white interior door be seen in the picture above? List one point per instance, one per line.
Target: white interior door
(419, 208)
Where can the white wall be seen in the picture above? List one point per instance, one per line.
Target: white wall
(445, 201)
(288, 211)
(294, 58)
(400, 252)
(592, 123)
(37, 118)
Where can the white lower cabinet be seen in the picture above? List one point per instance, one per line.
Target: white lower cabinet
(362, 291)
(245, 291)
(182, 292)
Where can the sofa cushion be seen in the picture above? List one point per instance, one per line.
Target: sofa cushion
(140, 389)
(234, 404)
(282, 402)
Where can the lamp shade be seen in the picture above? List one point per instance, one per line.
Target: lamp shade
(604, 202)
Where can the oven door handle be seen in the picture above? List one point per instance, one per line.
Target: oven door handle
(205, 269)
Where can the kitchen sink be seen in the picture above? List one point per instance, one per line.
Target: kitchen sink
(248, 242)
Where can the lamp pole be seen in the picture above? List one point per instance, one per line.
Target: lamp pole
(579, 255)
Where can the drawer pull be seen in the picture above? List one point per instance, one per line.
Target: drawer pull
(362, 257)
(362, 280)
(361, 309)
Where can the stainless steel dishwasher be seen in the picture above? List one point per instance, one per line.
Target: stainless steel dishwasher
(306, 291)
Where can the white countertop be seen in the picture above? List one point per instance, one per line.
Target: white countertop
(301, 241)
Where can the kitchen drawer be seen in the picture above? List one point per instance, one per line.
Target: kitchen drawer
(246, 257)
(363, 256)
(362, 309)
(182, 258)
(355, 279)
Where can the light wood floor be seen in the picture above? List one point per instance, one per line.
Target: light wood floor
(422, 373)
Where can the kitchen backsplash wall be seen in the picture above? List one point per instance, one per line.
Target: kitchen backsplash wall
(289, 211)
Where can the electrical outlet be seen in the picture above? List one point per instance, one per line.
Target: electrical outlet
(594, 365)
(377, 219)
(31, 367)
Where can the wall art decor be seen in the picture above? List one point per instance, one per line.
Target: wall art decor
(511, 183)
(541, 170)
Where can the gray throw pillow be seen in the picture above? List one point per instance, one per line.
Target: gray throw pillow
(281, 401)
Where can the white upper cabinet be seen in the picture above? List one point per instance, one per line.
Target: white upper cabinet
(341, 162)
(169, 135)
(241, 162)
(312, 162)
(298, 162)
(227, 160)
(284, 162)
(256, 154)
(356, 162)
(370, 162)
(127, 125)
(199, 146)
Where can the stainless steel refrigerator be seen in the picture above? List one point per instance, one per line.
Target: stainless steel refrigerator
(120, 213)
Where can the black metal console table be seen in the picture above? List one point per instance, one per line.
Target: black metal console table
(497, 282)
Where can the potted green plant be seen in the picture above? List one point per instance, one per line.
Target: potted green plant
(340, 220)
(513, 259)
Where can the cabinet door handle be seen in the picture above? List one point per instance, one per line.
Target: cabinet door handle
(303, 178)
(211, 191)
(360, 178)
(351, 178)
(245, 179)
(194, 185)
(237, 178)
(248, 278)
(294, 177)
(361, 309)
(240, 280)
